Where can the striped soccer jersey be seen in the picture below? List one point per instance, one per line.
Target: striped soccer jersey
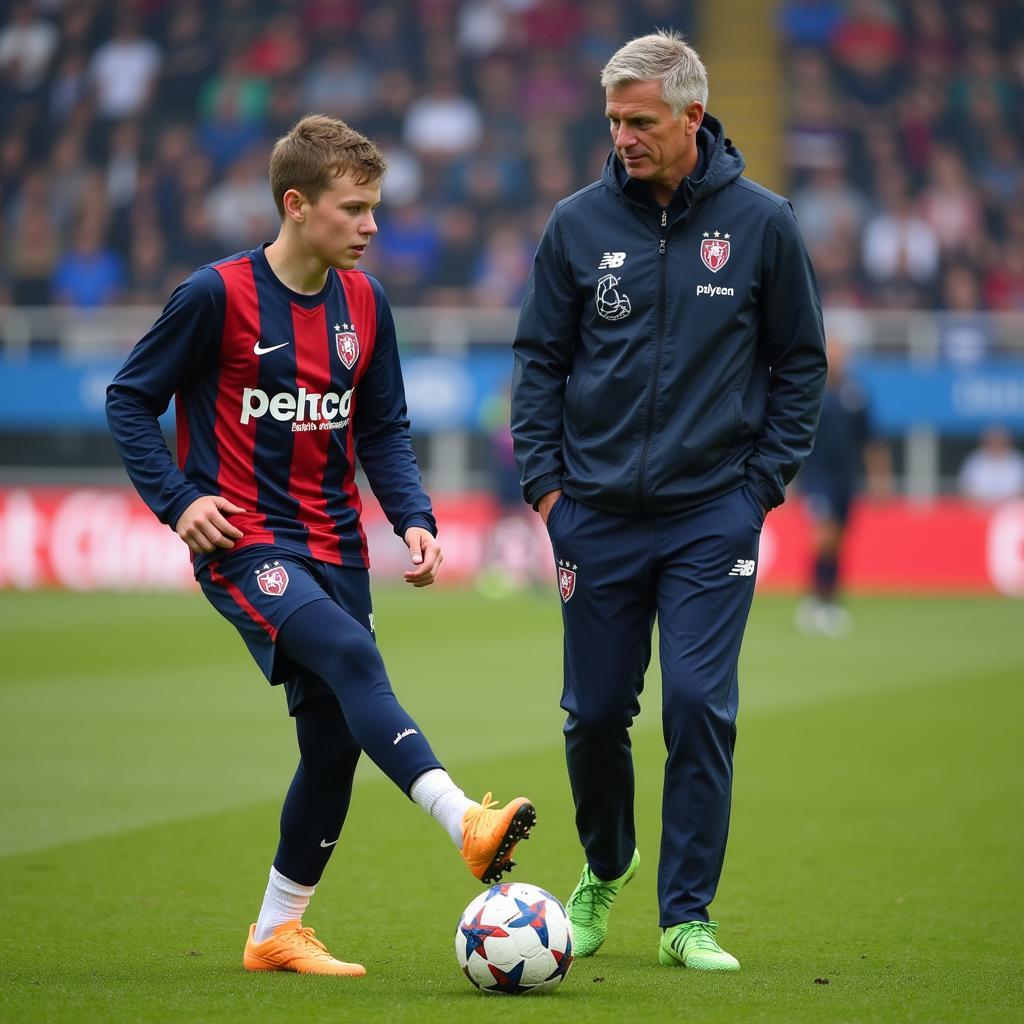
(276, 395)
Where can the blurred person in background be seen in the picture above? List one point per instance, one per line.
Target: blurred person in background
(669, 367)
(994, 471)
(269, 509)
(844, 448)
(89, 273)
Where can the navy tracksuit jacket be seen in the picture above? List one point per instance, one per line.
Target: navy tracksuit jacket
(669, 369)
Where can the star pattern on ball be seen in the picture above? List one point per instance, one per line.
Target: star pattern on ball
(501, 889)
(533, 915)
(477, 933)
(507, 981)
(563, 962)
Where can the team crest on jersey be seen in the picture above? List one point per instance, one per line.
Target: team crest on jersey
(347, 341)
(273, 579)
(714, 250)
(566, 579)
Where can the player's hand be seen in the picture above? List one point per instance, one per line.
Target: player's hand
(426, 556)
(546, 503)
(202, 525)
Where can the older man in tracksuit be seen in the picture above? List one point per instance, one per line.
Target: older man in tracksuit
(669, 370)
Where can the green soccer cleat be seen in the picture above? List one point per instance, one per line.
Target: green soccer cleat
(692, 944)
(589, 904)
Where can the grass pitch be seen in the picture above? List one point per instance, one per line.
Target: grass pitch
(875, 870)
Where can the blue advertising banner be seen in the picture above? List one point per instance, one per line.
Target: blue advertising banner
(471, 393)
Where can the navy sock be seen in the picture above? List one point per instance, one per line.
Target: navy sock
(826, 576)
(324, 639)
(318, 798)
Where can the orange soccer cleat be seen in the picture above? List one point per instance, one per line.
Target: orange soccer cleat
(294, 948)
(489, 836)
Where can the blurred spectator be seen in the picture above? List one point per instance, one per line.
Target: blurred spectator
(830, 210)
(899, 245)
(89, 274)
(965, 334)
(459, 234)
(27, 46)
(810, 23)
(950, 203)
(240, 209)
(994, 471)
(844, 448)
(189, 59)
(869, 48)
(504, 266)
(1004, 286)
(30, 258)
(443, 122)
(233, 108)
(341, 83)
(280, 48)
(408, 247)
(70, 88)
(123, 71)
(123, 165)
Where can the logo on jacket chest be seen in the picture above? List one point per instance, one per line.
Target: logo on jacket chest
(347, 342)
(611, 303)
(714, 250)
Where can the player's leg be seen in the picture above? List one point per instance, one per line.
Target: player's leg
(708, 558)
(821, 612)
(338, 648)
(311, 820)
(603, 568)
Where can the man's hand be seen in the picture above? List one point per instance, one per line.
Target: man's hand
(202, 525)
(545, 504)
(426, 556)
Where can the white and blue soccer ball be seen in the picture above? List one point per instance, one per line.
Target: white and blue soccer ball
(513, 939)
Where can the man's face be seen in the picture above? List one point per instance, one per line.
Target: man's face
(339, 225)
(654, 145)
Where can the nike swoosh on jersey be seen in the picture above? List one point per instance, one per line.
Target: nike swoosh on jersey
(325, 844)
(258, 350)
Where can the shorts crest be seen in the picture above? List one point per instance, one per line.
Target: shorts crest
(273, 579)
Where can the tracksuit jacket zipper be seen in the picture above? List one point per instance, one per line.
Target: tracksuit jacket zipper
(649, 421)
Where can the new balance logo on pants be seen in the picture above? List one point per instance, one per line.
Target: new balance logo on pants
(743, 567)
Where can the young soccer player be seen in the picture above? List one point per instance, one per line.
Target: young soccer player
(284, 368)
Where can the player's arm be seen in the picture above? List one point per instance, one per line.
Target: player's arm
(542, 350)
(172, 350)
(791, 328)
(385, 452)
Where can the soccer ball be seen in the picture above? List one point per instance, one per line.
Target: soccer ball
(514, 938)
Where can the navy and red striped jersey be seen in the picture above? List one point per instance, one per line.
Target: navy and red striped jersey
(276, 394)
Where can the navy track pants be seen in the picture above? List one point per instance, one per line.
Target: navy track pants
(694, 571)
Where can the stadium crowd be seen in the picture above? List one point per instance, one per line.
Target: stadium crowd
(134, 138)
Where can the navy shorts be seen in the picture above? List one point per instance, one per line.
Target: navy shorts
(257, 588)
(825, 503)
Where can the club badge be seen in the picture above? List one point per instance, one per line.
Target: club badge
(347, 343)
(273, 579)
(714, 250)
(566, 579)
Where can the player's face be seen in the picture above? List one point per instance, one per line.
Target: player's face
(653, 144)
(340, 224)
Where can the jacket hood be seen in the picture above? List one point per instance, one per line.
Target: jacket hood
(723, 163)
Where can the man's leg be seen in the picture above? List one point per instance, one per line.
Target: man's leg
(708, 565)
(604, 582)
(607, 615)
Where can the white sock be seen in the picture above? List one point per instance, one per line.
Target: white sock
(435, 792)
(285, 900)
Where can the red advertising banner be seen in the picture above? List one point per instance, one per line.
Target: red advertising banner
(106, 539)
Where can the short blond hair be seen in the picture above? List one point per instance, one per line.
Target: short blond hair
(662, 56)
(315, 152)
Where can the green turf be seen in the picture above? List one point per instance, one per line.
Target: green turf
(877, 842)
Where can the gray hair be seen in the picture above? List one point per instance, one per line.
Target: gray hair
(661, 56)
